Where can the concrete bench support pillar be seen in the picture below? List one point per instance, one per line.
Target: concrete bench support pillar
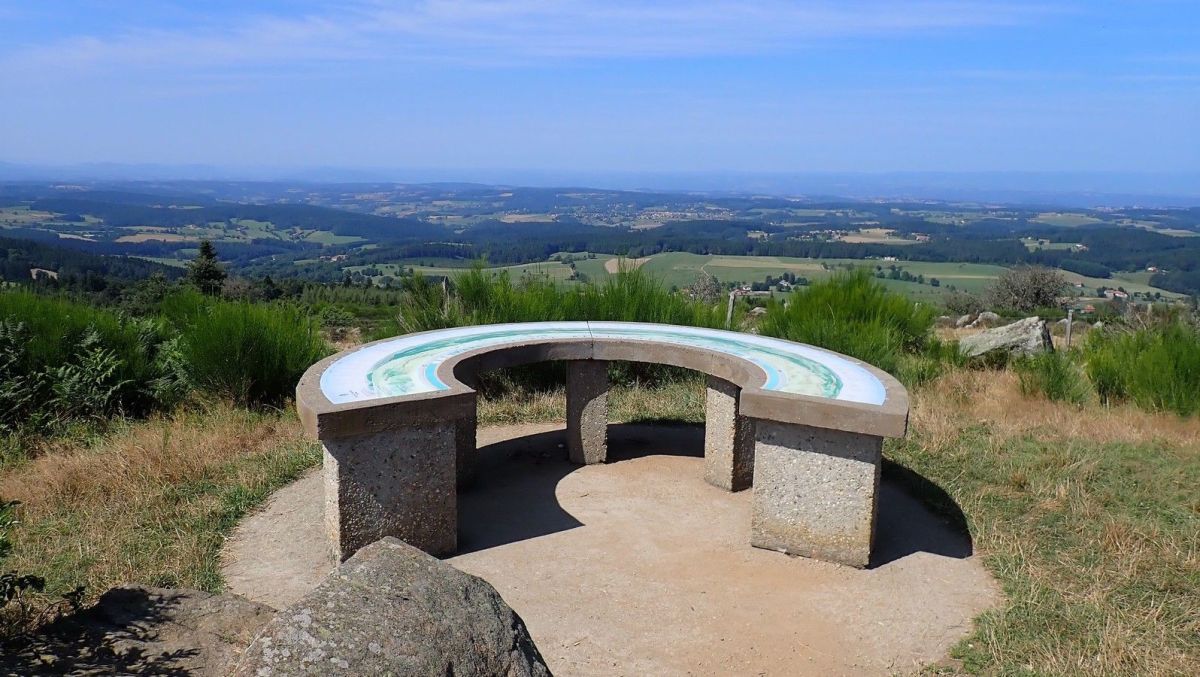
(465, 432)
(587, 411)
(815, 491)
(398, 483)
(728, 438)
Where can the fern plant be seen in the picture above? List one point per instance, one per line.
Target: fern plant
(90, 386)
(21, 390)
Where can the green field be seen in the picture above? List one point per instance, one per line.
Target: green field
(680, 269)
(237, 230)
(555, 270)
(326, 237)
(1066, 219)
(1132, 282)
(1033, 244)
(593, 268)
(22, 216)
(165, 260)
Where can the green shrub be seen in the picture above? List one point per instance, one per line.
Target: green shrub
(932, 361)
(636, 296)
(853, 314)
(1157, 368)
(252, 354)
(963, 303)
(62, 361)
(1052, 375)
(480, 296)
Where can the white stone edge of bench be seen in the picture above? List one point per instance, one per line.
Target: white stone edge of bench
(323, 419)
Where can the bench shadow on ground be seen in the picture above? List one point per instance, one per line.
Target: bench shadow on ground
(513, 496)
(109, 639)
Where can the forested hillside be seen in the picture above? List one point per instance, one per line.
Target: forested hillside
(319, 231)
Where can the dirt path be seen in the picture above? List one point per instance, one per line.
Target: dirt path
(638, 567)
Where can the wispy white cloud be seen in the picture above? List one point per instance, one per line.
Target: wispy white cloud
(517, 31)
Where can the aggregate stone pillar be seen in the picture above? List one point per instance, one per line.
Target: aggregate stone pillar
(815, 491)
(465, 446)
(398, 483)
(728, 438)
(587, 411)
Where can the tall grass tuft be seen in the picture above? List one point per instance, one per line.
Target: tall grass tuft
(481, 296)
(853, 314)
(1053, 375)
(633, 295)
(251, 353)
(1156, 368)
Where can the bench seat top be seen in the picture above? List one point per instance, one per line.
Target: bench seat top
(777, 374)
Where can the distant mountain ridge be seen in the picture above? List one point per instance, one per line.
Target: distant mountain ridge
(1078, 189)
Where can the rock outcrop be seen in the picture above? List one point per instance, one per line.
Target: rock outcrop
(1023, 337)
(392, 609)
(986, 319)
(135, 630)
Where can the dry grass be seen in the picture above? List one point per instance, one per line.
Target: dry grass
(1087, 515)
(671, 401)
(149, 502)
(617, 264)
(524, 406)
(994, 399)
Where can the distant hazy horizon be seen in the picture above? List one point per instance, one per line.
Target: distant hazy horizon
(1074, 189)
(606, 88)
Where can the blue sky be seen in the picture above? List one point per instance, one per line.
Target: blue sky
(583, 85)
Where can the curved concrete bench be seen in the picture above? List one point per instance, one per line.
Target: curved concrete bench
(801, 425)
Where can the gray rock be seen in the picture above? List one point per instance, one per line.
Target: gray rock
(758, 310)
(944, 321)
(1023, 337)
(962, 321)
(393, 610)
(988, 319)
(134, 630)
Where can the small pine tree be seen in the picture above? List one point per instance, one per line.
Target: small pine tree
(205, 272)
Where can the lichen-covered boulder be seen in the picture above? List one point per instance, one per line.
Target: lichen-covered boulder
(987, 319)
(1023, 337)
(394, 610)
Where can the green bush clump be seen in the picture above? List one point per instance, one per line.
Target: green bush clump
(1156, 368)
(479, 296)
(853, 314)
(933, 360)
(251, 353)
(1053, 375)
(636, 296)
(62, 361)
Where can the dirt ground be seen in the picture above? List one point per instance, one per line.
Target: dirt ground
(638, 567)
